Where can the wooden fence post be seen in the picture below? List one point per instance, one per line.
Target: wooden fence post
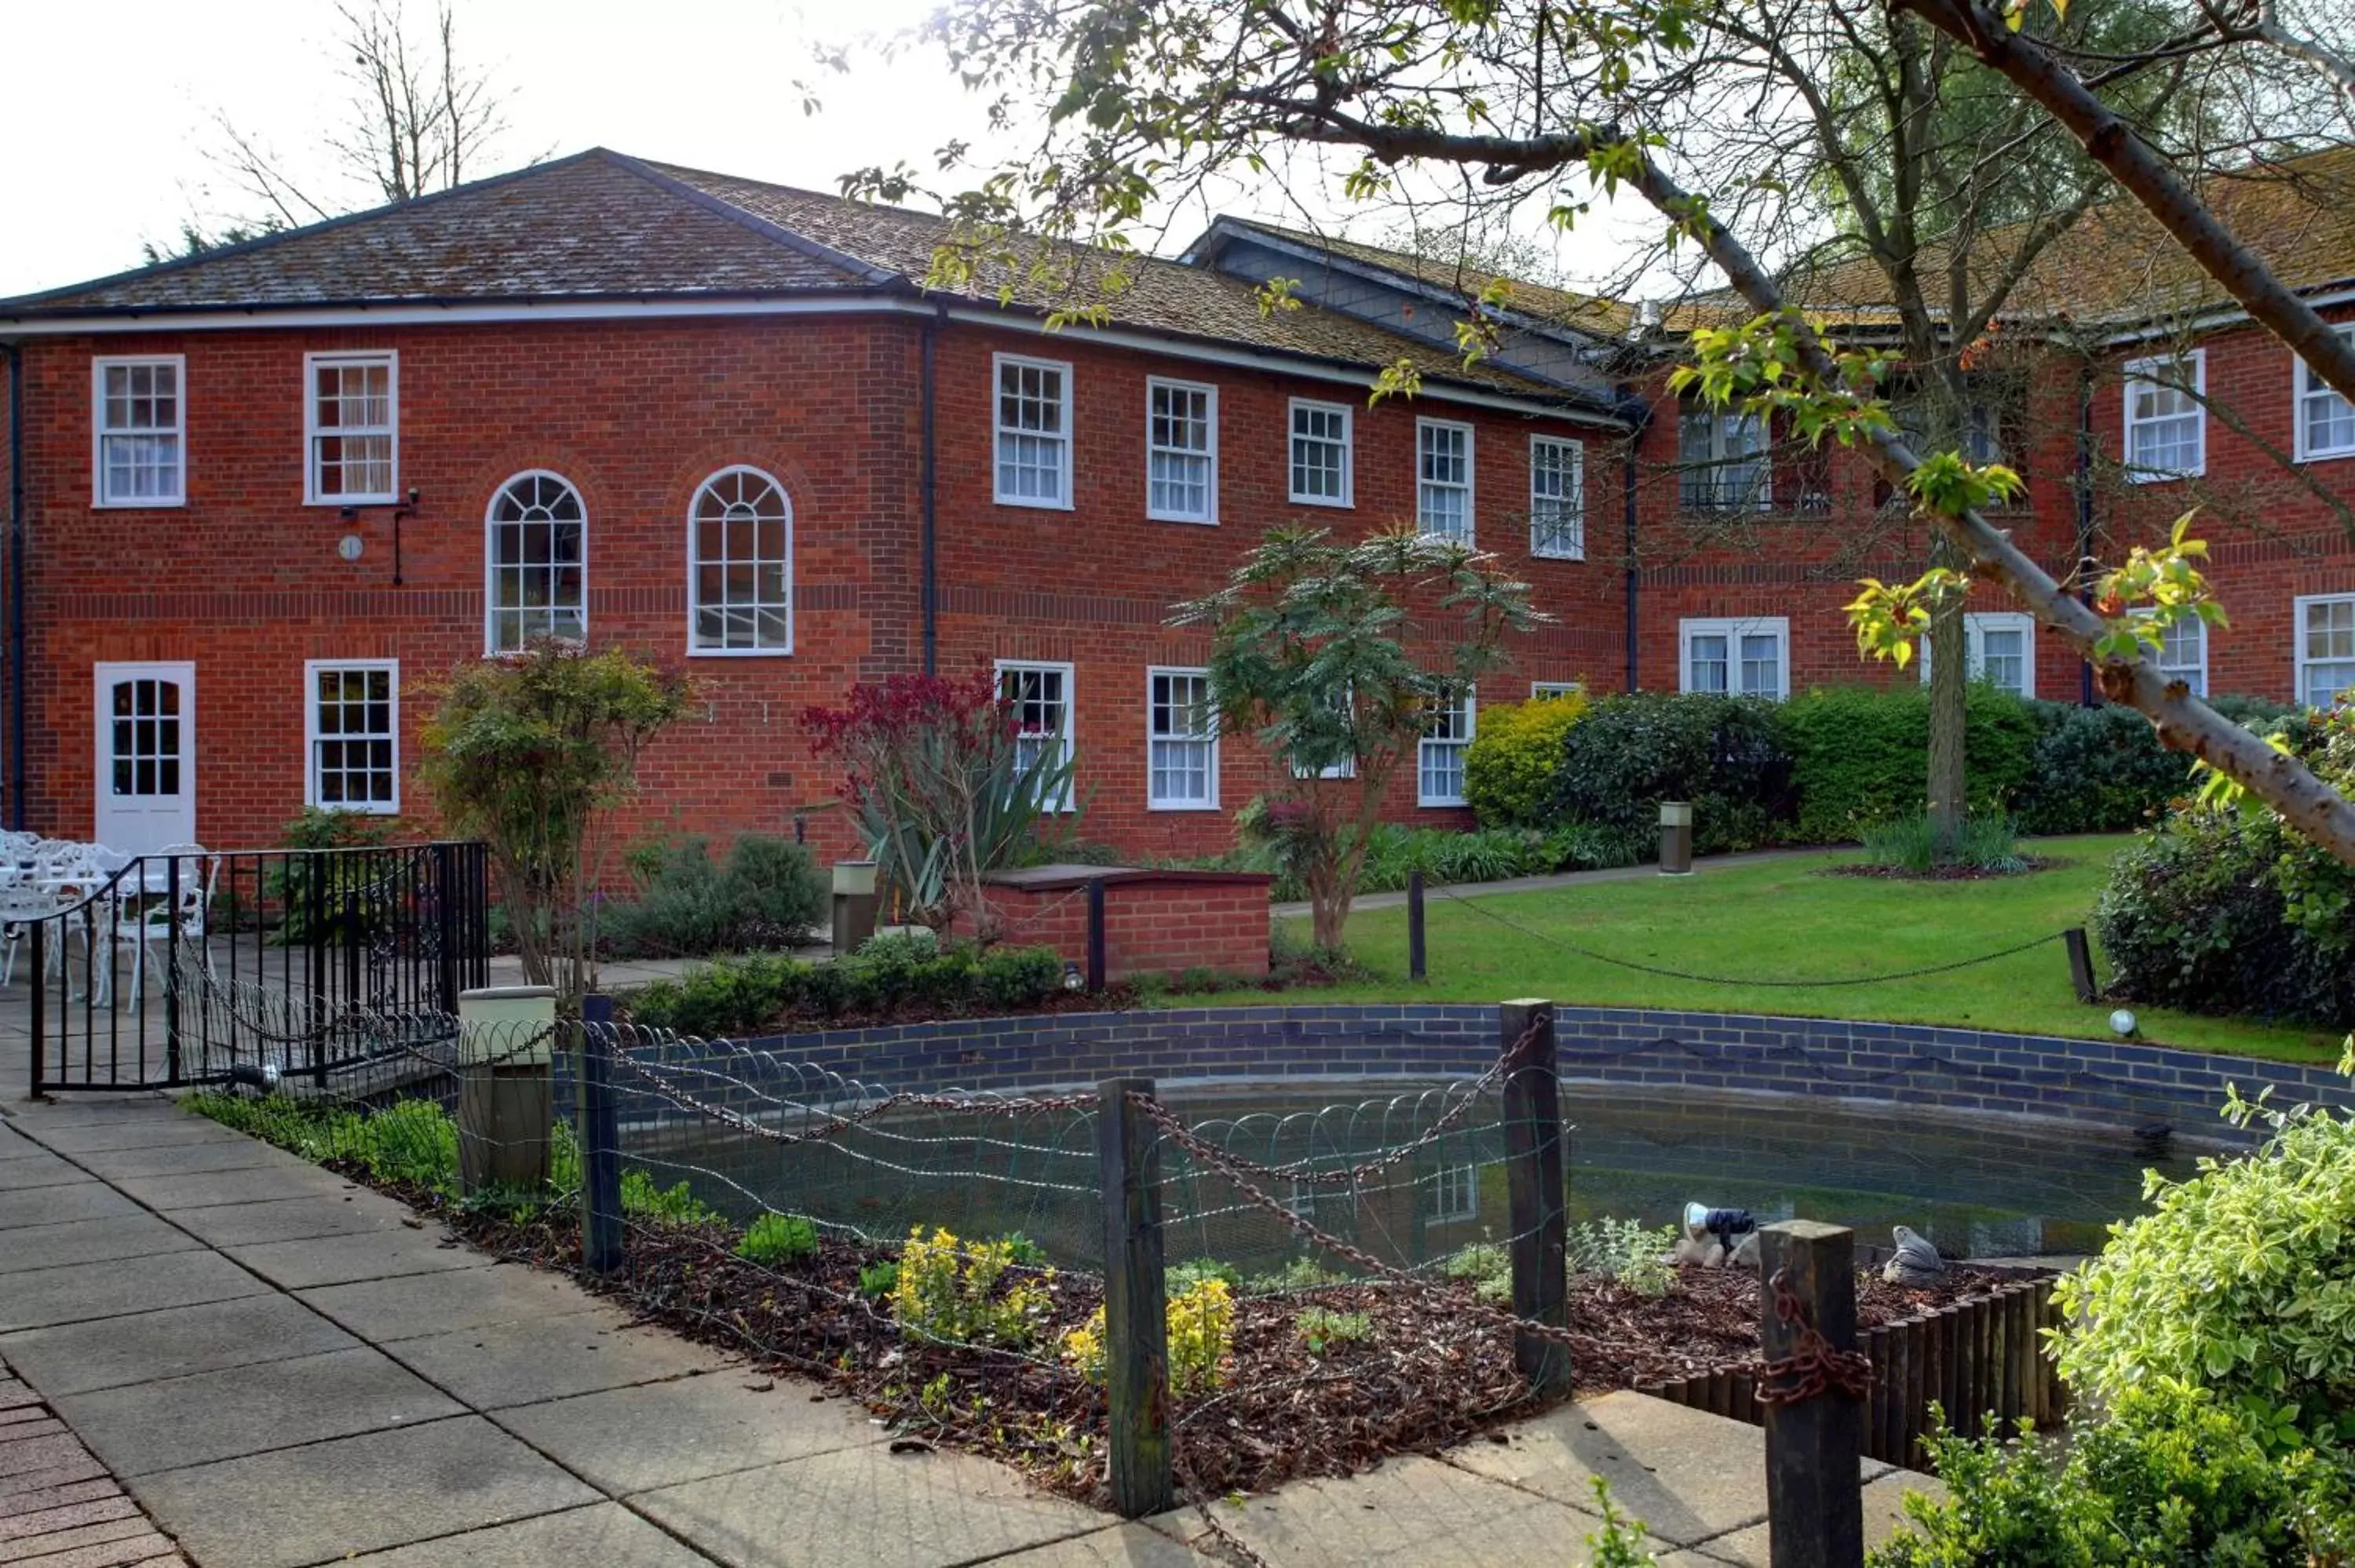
(1137, 1328)
(1533, 1170)
(1417, 955)
(1096, 939)
(2080, 965)
(597, 1127)
(1815, 1494)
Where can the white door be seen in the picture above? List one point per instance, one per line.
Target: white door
(146, 755)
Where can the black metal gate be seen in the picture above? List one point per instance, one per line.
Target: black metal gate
(180, 968)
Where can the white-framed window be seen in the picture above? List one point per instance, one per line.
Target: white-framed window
(1454, 1195)
(2326, 648)
(2166, 422)
(1181, 741)
(352, 735)
(1033, 432)
(1439, 756)
(1547, 691)
(1040, 696)
(2182, 654)
(1181, 452)
(1320, 453)
(740, 565)
(1557, 498)
(138, 422)
(2326, 424)
(1443, 490)
(1750, 658)
(1722, 460)
(351, 429)
(2000, 648)
(538, 562)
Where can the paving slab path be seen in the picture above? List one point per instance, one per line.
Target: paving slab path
(286, 1369)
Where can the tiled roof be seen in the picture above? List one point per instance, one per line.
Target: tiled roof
(600, 224)
(584, 226)
(2116, 265)
(1561, 307)
(1157, 296)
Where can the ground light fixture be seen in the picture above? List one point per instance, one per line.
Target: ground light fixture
(1072, 978)
(2122, 1021)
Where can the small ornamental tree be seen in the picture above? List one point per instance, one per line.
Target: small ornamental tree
(1334, 656)
(942, 787)
(528, 752)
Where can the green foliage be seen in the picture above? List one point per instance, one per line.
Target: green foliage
(959, 1292)
(1857, 755)
(1910, 845)
(778, 1238)
(1183, 1276)
(1633, 750)
(1320, 1328)
(1510, 766)
(1625, 1250)
(413, 1143)
(2240, 1280)
(320, 829)
(1299, 1274)
(643, 1198)
(2101, 769)
(879, 1278)
(1023, 1250)
(1487, 1267)
(1620, 1542)
(746, 995)
(2220, 910)
(2166, 1476)
(1311, 656)
(769, 894)
(525, 752)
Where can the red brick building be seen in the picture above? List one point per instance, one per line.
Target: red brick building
(263, 497)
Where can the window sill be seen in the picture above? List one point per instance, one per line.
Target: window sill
(144, 504)
(1030, 503)
(1189, 522)
(1327, 500)
(1196, 807)
(391, 810)
(2334, 455)
(390, 498)
(2172, 476)
(1422, 805)
(1557, 555)
(739, 652)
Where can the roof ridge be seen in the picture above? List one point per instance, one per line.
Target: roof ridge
(857, 266)
(278, 236)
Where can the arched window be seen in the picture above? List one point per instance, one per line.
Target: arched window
(539, 563)
(740, 565)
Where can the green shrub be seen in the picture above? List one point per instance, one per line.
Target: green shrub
(746, 995)
(674, 1205)
(1625, 1250)
(2102, 771)
(958, 1291)
(1487, 1267)
(778, 1238)
(1300, 1274)
(1860, 756)
(2240, 1280)
(1631, 751)
(1509, 770)
(1182, 1277)
(2224, 911)
(1320, 1328)
(877, 1278)
(2166, 1476)
(769, 894)
(1987, 843)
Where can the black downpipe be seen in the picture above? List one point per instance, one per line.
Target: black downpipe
(928, 589)
(1626, 397)
(16, 352)
(2085, 513)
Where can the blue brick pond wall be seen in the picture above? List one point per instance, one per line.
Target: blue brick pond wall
(2111, 1084)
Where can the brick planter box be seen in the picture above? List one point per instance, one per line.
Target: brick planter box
(1156, 922)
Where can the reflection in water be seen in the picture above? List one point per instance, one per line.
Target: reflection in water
(1974, 1188)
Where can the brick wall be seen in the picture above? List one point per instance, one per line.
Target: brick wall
(1154, 922)
(2089, 1083)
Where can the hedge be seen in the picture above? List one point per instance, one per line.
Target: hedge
(1630, 752)
(1516, 751)
(1860, 757)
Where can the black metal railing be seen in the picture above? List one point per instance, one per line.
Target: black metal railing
(185, 968)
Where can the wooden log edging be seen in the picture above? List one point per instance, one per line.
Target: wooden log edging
(1982, 1358)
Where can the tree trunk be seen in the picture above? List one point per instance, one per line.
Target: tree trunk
(1949, 715)
(1328, 917)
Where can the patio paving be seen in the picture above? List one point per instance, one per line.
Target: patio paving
(288, 1371)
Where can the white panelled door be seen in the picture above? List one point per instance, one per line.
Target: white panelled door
(146, 755)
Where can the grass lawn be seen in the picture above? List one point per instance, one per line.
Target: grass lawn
(1784, 919)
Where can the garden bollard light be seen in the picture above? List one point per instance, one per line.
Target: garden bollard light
(507, 1085)
(853, 905)
(1676, 838)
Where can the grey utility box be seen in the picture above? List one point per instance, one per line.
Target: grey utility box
(1676, 838)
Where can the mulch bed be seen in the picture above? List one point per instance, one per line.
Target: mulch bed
(2027, 864)
(1429, 1374)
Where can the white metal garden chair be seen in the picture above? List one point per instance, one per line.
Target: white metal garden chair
(172, 919)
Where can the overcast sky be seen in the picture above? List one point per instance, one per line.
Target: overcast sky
(702, 82)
